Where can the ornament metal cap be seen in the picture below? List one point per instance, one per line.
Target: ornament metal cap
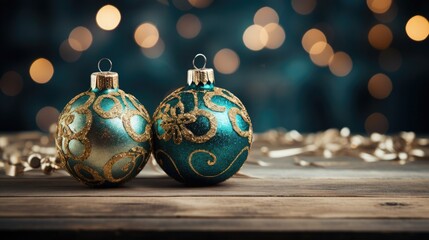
(104, 80)
(200, 75)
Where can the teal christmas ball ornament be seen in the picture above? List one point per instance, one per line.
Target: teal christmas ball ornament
(202, 134)
(103, 135)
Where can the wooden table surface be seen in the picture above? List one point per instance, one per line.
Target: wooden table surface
(341, 198)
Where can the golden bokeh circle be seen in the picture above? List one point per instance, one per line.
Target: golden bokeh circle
(146, 35)
(226, 61)
(380, 86)
(41, 70)
(417, 28)
(380, 36)
(108, 17)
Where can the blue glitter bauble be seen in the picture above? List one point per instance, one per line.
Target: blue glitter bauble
(104, 137)
(202, 134)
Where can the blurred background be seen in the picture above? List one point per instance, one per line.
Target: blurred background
(307, 65)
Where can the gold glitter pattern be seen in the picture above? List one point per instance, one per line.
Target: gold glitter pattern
(65, 134)
(175, 120)
(113, 112)
(212, 161)
(233, 112)
(75, 123)
(139, 111)
(128, 168)
(95, 179)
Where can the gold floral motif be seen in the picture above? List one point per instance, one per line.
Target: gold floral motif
(96, 178)
(174, 119)
(128, 168)
(212, 161)
(158, 152)
(114, 112)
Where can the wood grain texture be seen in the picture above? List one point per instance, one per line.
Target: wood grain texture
(163, 187)
(216, 224)
(216, 207)
(348, 200)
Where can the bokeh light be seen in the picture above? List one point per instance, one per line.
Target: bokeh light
(389, 15)
(11, 83)
(265, 16)
(380, 86)
(46, 117)
(390, 60)
(322, 59)
(380, 36)
(200, 3)
(108, 17)
(311, 37)
(155, 51)
(41, 70)
(276, 35)
(226, 61)
(146, 35)
(67, 53)
(188, 26)
(255, 37)
(318, 48)
(376, 122)
(80, 39)
(379, 6)
(340, 64)
(417, 28)
(303, 7)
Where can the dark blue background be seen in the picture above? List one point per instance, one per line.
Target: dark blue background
(280, 88)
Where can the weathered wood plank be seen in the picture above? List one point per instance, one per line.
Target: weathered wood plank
(218, 224)
(216, 207)
(162, 187)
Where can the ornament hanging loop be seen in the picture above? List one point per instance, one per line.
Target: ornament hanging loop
(205, 61)
(110, 62)
(103, 80)
(201, 75)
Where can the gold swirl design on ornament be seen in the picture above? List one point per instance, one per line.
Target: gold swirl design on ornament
(232, 113)
(213, 161)
(129, 113)
(126, 121)
(174, 123)
(138, 106)
(96, 178)
(128, 168)
(113, 112)
(169, 158)
(64, 132)
(87, 103)
(86, 150)
(189, 135)
(221, 93)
